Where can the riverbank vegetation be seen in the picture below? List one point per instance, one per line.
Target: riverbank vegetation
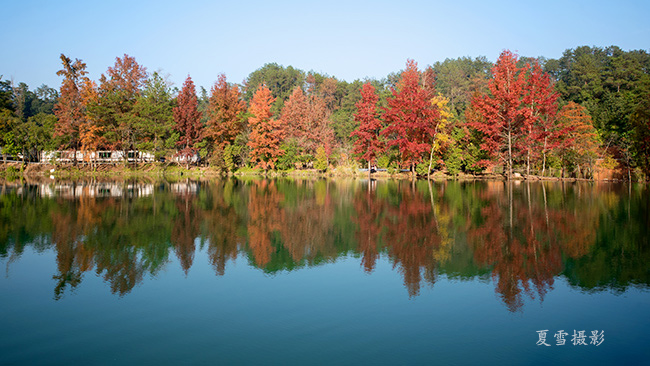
(584, 115)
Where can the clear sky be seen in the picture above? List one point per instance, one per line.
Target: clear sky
(347, 39)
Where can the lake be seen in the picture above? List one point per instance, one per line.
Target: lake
(309, 271)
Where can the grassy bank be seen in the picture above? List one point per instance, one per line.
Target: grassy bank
(13, 171)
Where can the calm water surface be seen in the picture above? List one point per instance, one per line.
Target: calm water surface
(323, 272)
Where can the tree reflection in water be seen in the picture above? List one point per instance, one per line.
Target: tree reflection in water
(524, 234)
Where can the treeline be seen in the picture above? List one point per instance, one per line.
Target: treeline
(589, 109)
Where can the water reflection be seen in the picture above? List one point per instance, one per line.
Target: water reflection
(522, 235)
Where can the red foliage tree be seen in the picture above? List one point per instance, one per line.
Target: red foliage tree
(224, 122)
(187, 118)
(295, 115)
(368, 145)
(319, 131)
(266, 133)
(502, 109)
(307, 121)
(70, 108)
(411, 117)
(541, 131)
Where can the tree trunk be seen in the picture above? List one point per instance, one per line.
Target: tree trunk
(544, 158)
(509, 155)
(430, 162)
(629, 173)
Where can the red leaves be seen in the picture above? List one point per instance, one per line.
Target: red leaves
(70, 109)
(295, 114)
(517, 117)
(224, 122)
(307, 121)
(127, 77)
(411, 117)
(368, 145)
(501, 110)
(187, 117)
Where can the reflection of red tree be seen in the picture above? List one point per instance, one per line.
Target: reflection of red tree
(71, 223)
(265, 217)
(185, 230)
(222, 223)
(307, 226)
(524, 240)
(411, 237)
(65, 234)
(368, 220)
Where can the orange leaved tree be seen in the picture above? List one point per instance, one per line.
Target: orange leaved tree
(266, 133)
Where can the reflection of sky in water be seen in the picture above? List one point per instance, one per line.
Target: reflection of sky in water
(316, 303)
(321, 314)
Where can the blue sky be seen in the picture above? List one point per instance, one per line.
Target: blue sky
(347, 39)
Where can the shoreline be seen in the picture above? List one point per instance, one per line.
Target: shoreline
(38, 171)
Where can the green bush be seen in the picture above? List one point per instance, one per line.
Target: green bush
(289, 159)
(321, 159)
(422, 169)
(453, 160)
(383, 161)
(11, 172)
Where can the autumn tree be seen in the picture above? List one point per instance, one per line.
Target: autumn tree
(295, 115)
(224, 120)
(266, 132)
(295, 119)
(501, 110)
(187, 119)
(319, 132)
(411, 118)
(581, 142)
(90, 131)
(541, 133)
(368, 144)
(442, 137)
(306, 118)
(70, 109)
